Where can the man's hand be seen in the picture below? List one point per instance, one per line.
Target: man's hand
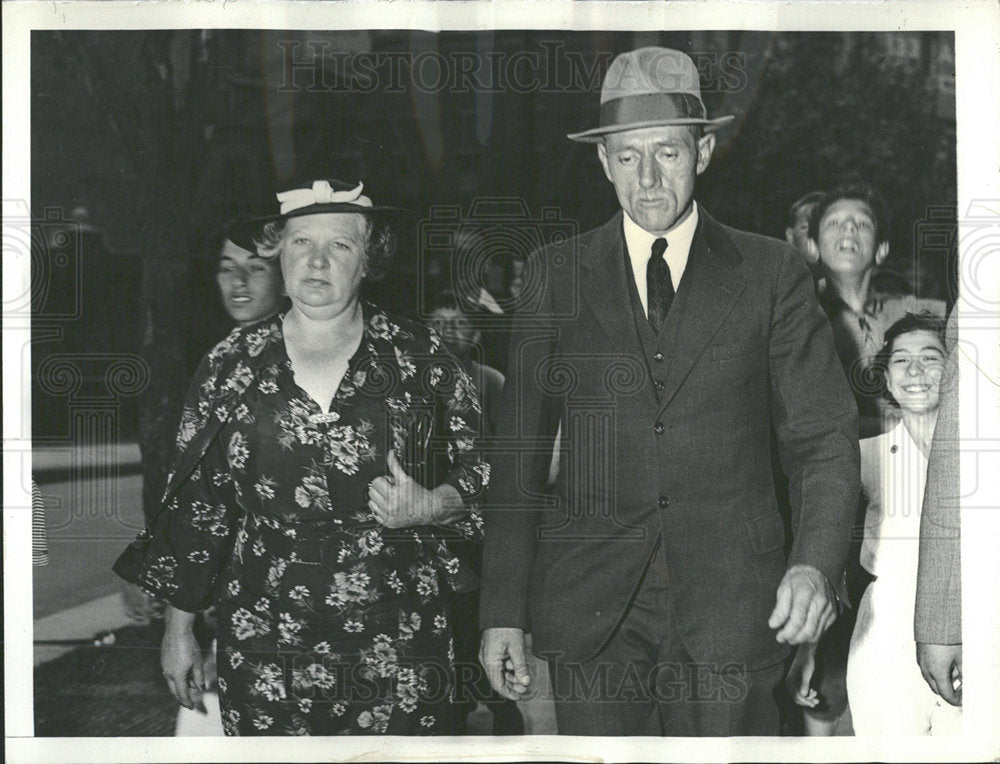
(806, 606)
(502, 655)
(941, 666)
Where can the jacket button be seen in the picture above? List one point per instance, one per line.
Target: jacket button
(658, 428)
(663, 502)
(658, 357)
(658, 384)
(597, 613)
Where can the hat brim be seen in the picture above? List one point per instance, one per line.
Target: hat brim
(595, 135)
(324, 209)
(246, 231)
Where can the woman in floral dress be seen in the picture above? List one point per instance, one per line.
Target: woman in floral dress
(329, 562)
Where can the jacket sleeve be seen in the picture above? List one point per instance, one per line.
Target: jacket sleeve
(938, 613)
(521, 456)
(816, 423)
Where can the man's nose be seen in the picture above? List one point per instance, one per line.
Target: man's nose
(648, 172)
(849, 225)
(915, 367)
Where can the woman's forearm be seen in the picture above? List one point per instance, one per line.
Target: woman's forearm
(446, 505)
(178, 621)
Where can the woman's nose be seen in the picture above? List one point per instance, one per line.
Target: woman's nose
(318, 257)
(239, 278)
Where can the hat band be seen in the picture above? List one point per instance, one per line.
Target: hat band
(651, 107)
(321, 193)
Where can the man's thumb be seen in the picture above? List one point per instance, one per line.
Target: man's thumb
(783, 607)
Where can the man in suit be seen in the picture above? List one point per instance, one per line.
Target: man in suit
(937, 618)
(655, 584)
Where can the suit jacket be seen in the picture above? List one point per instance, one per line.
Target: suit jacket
(668, 442)
(938, 613)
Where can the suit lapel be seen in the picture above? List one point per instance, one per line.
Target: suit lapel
(709, 289)
(604, 289)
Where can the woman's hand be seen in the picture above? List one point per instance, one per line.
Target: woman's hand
(399, 501)
(180, 657)
(800, 675)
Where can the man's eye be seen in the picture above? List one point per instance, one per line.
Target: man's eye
(626, 158)
(932, 359)
(901, 360)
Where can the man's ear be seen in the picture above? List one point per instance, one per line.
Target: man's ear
(602, 154)
(789, 236)
(706, 145)
(813, 249)
(881, 253)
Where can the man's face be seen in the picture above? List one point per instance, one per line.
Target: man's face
(455, 329)
(798, 235)
(847, 240)
(653, 172)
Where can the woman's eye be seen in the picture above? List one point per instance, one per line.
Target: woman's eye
(901, 360)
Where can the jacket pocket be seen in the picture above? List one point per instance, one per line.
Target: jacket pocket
(767, 533)
(735, 350)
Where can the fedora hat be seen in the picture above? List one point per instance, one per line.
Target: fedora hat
(650, 87)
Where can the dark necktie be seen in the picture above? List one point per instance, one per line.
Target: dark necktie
(659, 287)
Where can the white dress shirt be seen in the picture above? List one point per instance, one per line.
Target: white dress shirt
(639, 243)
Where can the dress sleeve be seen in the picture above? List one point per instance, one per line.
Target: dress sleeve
(461, 416)
(179, 556)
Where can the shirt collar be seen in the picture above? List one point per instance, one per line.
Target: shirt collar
(639, 242)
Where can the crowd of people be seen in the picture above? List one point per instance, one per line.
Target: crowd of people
(360, 502)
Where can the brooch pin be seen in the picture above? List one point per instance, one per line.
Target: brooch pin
(330, 418)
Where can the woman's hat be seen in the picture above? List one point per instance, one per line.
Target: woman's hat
(324, 196)
(318, 197)
(650, 87)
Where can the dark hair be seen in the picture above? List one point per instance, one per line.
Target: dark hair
(381, 244)
(861, 191)
(809, 200)
(925, 321)
(447, 299)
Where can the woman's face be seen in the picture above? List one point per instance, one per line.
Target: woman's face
(914, 371)
(323, 261)
(250, 285)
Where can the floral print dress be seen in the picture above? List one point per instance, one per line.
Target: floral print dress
(329, 623)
